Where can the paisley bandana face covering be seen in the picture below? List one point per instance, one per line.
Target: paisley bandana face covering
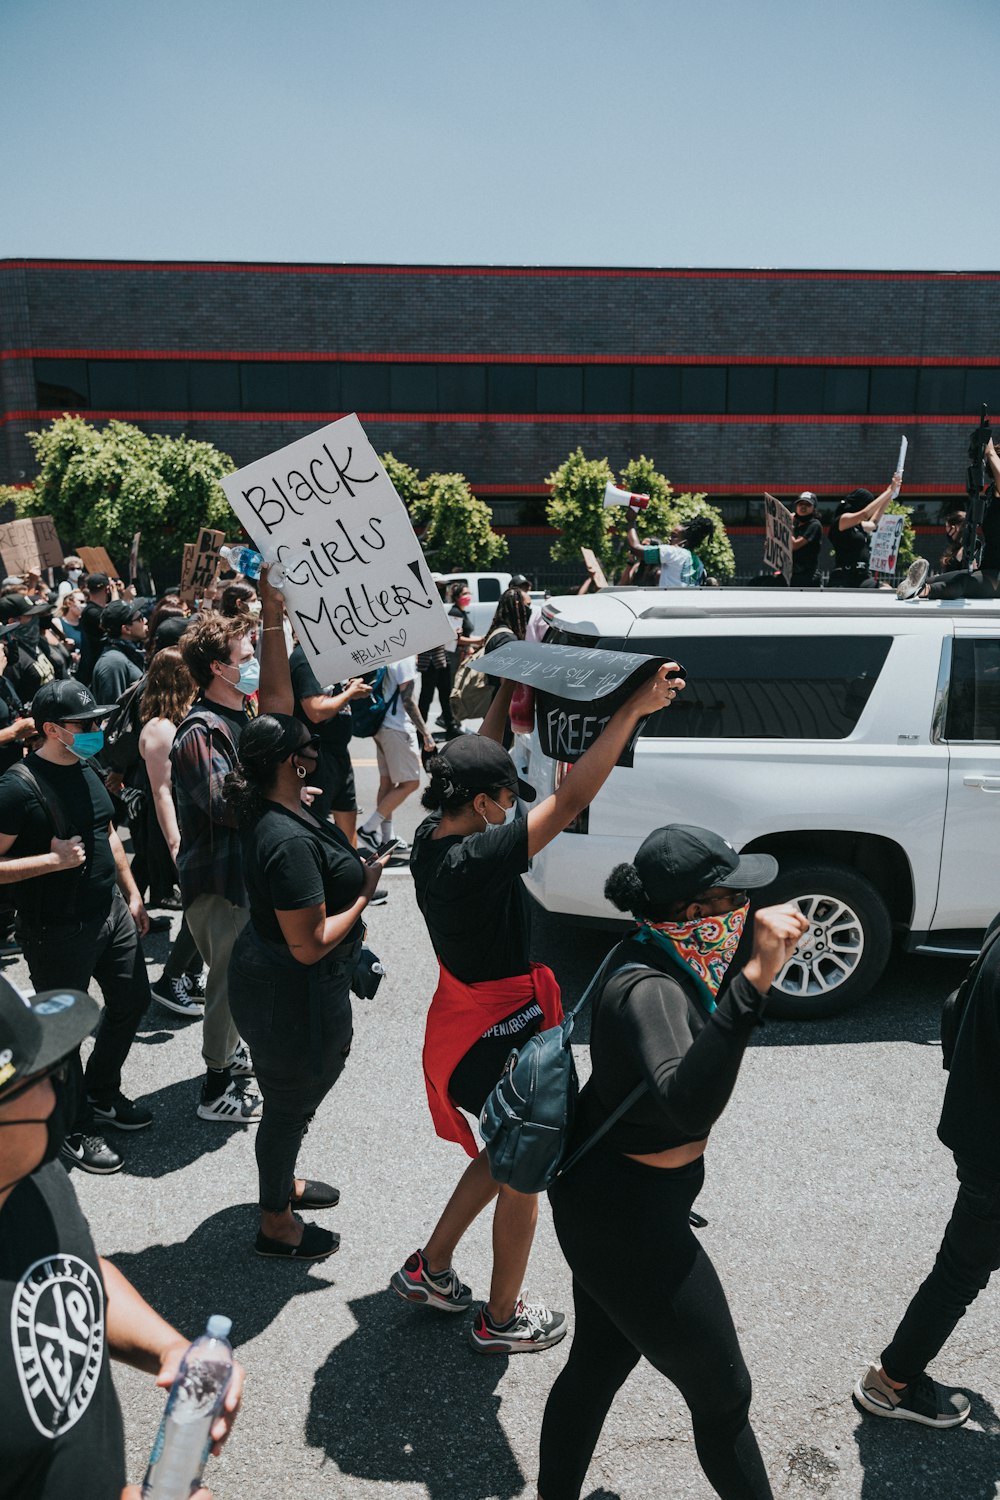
(705, 947)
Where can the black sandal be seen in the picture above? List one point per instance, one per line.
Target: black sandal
(316, 1195)
(315, 1244)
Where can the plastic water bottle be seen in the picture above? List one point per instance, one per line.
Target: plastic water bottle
(182, 1444)
(248, 562)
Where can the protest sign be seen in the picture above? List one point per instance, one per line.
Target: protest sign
(778, 541)
(29, 545)
(96, 560)
(885, 544)
(133, 558)
(576, 690)
(356, 585)
(594, 568)
(200, 567)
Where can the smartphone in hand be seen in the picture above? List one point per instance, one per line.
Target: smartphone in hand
(386, 848)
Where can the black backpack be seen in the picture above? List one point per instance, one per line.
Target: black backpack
(122, 731)
(954, 1008)
(368, 714)
(527, 1120)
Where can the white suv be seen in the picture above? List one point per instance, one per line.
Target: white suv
(855, 738)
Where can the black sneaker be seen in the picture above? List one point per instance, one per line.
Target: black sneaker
(380, 897)
(195, 984)
(414, 1283)
(367, 842)
(529, 1331)
(91, 1153)
(159, 924)
(175, 995)
(122, 1113)
(923, 1400)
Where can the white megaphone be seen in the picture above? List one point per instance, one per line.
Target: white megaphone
(614, 496)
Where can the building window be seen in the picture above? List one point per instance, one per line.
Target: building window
(751, 388)
(559, 388)
(61, 383)
(511, 388)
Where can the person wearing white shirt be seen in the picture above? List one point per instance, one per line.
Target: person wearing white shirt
(680, 566)
(397, 747)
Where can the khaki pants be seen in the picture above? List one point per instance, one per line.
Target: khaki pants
(215, 925)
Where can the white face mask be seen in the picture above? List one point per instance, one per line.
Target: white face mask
(509, 813)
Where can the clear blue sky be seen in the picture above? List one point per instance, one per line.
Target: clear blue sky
(821, 133)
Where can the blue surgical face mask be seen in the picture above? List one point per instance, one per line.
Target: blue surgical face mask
(248, 680)
(87, 743)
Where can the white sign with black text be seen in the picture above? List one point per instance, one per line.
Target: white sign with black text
(885, 544)
(356, 585)
(778, 541)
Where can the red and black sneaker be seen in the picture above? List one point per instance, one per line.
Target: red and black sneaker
(441, 1289)
(529, 1331)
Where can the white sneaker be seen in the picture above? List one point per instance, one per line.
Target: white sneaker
(916, 577)
(240, 1064)
(237, 1106)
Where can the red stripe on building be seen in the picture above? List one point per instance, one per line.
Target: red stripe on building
(269, 356)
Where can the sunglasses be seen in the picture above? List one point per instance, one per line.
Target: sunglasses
(311, 744)
(60, 1072)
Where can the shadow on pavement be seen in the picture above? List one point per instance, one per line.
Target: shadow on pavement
(178, 1138)
(905, 1459)
(215, 1270)
(405, 1399)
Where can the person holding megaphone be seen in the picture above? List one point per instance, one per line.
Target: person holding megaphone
(678, 561)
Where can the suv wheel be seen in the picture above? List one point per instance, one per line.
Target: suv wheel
(843, 954)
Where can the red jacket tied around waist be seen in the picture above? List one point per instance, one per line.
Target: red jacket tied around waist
(458, 1017)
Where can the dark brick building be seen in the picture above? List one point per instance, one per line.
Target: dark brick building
(732, 381)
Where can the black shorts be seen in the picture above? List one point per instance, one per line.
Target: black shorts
(474, 1078)
(335, 775)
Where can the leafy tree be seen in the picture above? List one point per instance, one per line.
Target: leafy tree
(458, 535)
(410, 488)
(102, 485)
(11, 495)
(576, 509)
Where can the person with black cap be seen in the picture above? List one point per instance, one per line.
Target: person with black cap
(850, 531)
(79, 913)
(122, 660)
(64, 1309)
(467, 862)
(28, 666)
(807, 538)
(97, 587)
(642, 1284)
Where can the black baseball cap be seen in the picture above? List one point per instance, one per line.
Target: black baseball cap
(806, 498)
(96, 581)
(679, 861)
(520, 581)
(66, 700)
(479, 764)
(37, 1032)
(18, 607)
(119, 613)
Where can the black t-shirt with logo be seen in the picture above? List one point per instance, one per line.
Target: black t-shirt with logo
(11, 708)
(65, 896)
(334, 733)
(851, 548)
(290, 864)
(61, 1432)
(473, 899)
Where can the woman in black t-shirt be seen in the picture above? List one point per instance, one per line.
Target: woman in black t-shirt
(854, 521)
(642, 1284)
(467, 861)
(291, 968)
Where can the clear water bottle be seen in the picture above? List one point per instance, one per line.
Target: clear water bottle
(182, 1444)
(248, 562)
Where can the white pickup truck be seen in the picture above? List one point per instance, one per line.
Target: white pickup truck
(854, 737)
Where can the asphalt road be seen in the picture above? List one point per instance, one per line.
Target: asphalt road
(826, 1195)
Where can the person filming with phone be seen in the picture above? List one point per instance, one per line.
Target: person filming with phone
(293, 964)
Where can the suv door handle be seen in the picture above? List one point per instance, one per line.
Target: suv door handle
(984, 783)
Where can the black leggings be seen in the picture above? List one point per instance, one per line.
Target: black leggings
(984, 582)
(644, 1287)
(435, 680)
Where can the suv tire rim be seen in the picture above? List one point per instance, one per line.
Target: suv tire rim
(828, 954)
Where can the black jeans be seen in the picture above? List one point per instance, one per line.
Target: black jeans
(297, 1021)
(969, 1254)
(70, 955)
(643, 1286)
(435, 679)
(183, 957)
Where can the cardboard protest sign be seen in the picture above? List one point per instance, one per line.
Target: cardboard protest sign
(29, 545)
(356, 585)
(778, 541)
(885, 544)
(594, 568)
(576, 690)
(200, 567)
(96, 560)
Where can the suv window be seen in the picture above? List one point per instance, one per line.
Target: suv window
(974, 690)
(768, 687)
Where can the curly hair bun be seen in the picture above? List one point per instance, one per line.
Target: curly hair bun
(625, 890)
